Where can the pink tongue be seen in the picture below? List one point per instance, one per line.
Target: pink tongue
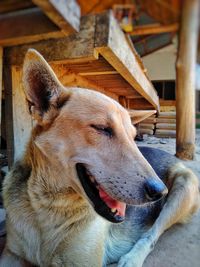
(112, 203)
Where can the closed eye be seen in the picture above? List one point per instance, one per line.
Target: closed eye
(108, 131)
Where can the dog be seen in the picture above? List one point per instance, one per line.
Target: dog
(84, 194)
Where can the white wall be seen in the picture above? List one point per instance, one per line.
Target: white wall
(160, 65)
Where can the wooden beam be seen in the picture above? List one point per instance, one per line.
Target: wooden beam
(12, 5)
(185, 75)
(92, 73)
(111, 43)
(123, 101)
(140, 115)
(70, 78)
(26, 26)
(165, 133)
(99, 35)
(65, 14)
(154, 29)
(139, 103)
(76, 48)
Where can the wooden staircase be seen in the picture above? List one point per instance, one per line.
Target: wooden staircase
(161, 125)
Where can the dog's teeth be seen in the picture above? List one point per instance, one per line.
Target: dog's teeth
(113, 210)
(92, 179)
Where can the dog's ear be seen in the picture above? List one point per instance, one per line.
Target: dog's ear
(140, 115)
(43, 90)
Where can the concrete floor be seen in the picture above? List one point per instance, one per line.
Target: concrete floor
(180, 245)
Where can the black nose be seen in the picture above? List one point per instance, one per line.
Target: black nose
(155, 189)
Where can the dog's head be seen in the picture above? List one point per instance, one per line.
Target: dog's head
(91, 137)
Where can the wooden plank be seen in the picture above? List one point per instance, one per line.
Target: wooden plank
(64, 13)
(140, 103)
(114, 83)
(167, 108)
(165, 133)
(92, 67)
(137, 56)
(140, 115)
(74, 48)
(26, 26)
(7, 78)
(147, 126)
(69, 78)
(92, 73)
(169, 115)
(185, 90)
(22, 122)
(166, 126)
(167, 102)
(150, 120)
(165, 120)
(154, 29)
(115, 49)
(146, 131)
(1, 85)
(123, 101)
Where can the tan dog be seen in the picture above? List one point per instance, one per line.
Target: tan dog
(65, 197)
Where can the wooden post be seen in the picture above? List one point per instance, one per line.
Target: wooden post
(1, 84)
(185, 75)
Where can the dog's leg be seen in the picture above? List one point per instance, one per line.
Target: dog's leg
(182, 202)
(8, 259)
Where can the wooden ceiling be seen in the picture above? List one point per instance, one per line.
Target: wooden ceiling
(163, 11)
(97, 6)
(13, 5)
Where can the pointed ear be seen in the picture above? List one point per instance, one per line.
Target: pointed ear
(42, 88)
(140, 115)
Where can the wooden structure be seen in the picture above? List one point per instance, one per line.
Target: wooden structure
(160, 125)
(22, 22)
(98, 57)
(185, 93)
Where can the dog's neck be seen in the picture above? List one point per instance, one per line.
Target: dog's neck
(48, 196)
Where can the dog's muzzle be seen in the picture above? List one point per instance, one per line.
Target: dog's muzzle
(112, 204)
(104, 205)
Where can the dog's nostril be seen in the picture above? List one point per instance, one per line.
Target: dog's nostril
(155, 189)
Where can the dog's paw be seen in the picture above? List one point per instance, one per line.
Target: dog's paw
(129, 261)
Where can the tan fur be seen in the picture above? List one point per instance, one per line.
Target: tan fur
(50, 219)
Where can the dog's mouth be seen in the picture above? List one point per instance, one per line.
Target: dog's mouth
(104, 205)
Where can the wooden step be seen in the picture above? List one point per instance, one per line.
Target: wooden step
(140, 115)
(165, 120)
(150, 120)
(165, 133)
(146, 126)
(168, 115)
(146, 131)
(166, 126)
